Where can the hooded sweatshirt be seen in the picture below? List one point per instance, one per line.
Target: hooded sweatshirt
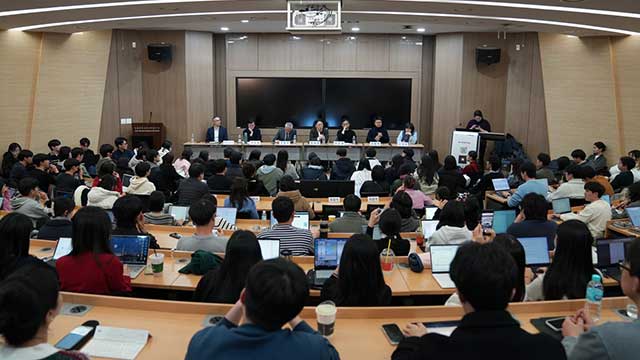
(31, 208)
(270, 176)
(140, 186)
(300, 203)
(102, 198)
(342, 169)
(450, 235)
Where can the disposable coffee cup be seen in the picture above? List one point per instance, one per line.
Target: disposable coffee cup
(332, 218)
(157, 264)
(326, 318)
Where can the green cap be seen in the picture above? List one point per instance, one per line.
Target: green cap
(596, 277)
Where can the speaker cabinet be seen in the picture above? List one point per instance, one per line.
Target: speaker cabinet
(159, 52)
(488, 55)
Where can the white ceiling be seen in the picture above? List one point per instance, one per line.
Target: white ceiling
(371, 16)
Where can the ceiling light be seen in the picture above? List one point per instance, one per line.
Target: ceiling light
(404, 38)
(355, 29)
(421, 29)
(224, 28)
(295, 37)
(244, 21)
(352, 37)
(418, 44)
(230, 42)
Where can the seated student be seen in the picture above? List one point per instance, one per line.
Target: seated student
(140, 184)
(123, 168)
(485, 276)
(392, 172)
(219, 181)
(19, 169)
(472, 212)
(418, 198)
(427, 175)
(127, 212)
(29, 301)
(234, 169)
(274, 295)
(589, 175)
(165, 177)
(532, 220)
(486, 181)
(165, 148)
(378, 133)
(389, 221)
(407, 155)
(192, 188)
(406, 170)
(632, 200)
(402, 202)
(451, 228)
(361, 176)
(515, 176)
(358, 281)
(251, 133)
(542, 168)
(106, 151)
(103, 195)
(5, 196)
(255, 186)
(351, 220)
(378, 183)
(141, 156)
(625, 177)
(270, 174)
(562, 163)
(109, 168)
(67, 181)
(289, 189)
(345, 133)
(531, 185)
(473, 170)
(239, 199)
(60, 225)
(153, 158)
(14, 248)
(122, 149)
(9, 159)
(597, 161)
(156, 214)
(571, 268)
(283, 163)
(254, 158)
(183, 163)
(225, 283)
(203, 216)
(596, 214)
(314, 171)
(451, 177)
(91, 267)
(610, 340)
(578, 156)
(298, 241)
(573, 188)
(409, 135)
(29, 202)
(370, 156)
(343, 167)
(43, 171)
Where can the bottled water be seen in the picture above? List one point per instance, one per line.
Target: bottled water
(193, 137)
(264, 215)
(295, 138)
(239, 139)
(353, 139)
(595, 291)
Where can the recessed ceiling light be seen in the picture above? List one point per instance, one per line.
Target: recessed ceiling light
(224, 28)
(244, 21)
(404, 38)
(421, 29)
(352, 37)
(355, 29)
(230, 42)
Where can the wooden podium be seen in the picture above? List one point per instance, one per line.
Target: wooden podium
(153, 134)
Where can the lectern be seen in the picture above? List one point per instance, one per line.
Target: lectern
(150, 133)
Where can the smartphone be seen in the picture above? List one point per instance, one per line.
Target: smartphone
(78, 336)
(393, 333)
(555, 324)
(487, 221)
(176, 236)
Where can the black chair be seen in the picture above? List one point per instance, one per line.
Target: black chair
(378, 194)
(331, 210)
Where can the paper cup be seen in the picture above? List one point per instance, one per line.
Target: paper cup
(157, 264)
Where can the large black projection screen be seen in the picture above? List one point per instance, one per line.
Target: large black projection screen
(274, 101)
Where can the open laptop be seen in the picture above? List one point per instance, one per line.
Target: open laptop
(561, 206)
(126, 180)
(536, 250)
(610, 253)
(502, 219)
(300, 220)
(430, 212)
(606, 198)
(132, 250)
(179, 213)
(326, 258)
(429, 227)
(270, 248)
(63, 248)
(634, 216)
(229, 214)
(499, 185)
(441, 258)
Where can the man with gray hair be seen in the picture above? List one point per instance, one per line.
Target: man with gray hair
(288, 133)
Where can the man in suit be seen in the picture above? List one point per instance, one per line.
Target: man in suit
(286, 134)
(217, 133)
(485, 276)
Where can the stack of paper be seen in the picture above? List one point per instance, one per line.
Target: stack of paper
(116, 343)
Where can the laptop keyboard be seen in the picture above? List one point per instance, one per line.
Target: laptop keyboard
(444, 280)
(135, 270)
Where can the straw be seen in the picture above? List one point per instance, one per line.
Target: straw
(386, 260)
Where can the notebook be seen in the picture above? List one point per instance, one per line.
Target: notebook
(179, 213)
(132, 250)
(326, 258)
(441, 258)
(300, 220)
(429, 227)
(270, 249)
(502, 219)
(536, 250)
(610, 252)
(634, 216)
(561, 206)
(116, 343)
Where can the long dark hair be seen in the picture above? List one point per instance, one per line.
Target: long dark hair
(452, 215)
(239, 192)
(360, 282)
(572, 264)
(433, 154)
(391, 223)
(91, 231)
(427, 169)
(167, 160)
(516, 250)
(282, 160)
(225, 283)
(15, 229)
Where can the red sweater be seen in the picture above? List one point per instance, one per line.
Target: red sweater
(118, 188)
(82, 274)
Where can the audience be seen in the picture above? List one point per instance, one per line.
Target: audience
(625, 177)
(270, 174)
(254, 159)
(10, 158)
(103, 195)
(532, 220)
(19, 169)
(378, 184)
(109, 168)
(314, 171)
(486, 181)
(140, 156)
(632, 200)
(129, 217)
(14, 248)
(351, 220)
(60, 225)
(406, 170)
(402, 202)
(389, 222)
(68, 181)
(192, 188)
(596, 214)
(451, 228)
(140, 184)
(589, 175)
(358, 281)
(234, 169)
(165, 177)
(30, 201)
(123, 168)
(283, 163)
(418, 198)
(361, 176)
(274, 295)
(225, 283)
(43, 171)
(392, 173)
(183, 163)
(255, 186)
(597, 161)
(428, 175)
(289, 189)
(473, 170)
(543, 171)
(579, 157)
(450, 176)
(54, 150)
(370, 156)
(343, 167)
(106, 151)
(122, 149)
(203, 215)
(240, 200)
(298, 241)
(219, 182)
(153, 158)
(573, 188)
(531, 185)
(156, 214)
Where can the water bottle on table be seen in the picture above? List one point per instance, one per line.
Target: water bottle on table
(595, 292)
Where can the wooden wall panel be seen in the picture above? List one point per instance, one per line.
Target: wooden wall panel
(405, 53)
(339, 53)
(242, 54)
(130, 100)
(626, 50)
(538, 138)
(199, 66)
(373, 53)
(425, 123)
(273, 52)
(579, 94)
(220, 76)
(71, 86)
(110, 121)
(311, 47)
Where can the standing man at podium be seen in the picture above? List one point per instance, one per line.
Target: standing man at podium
(217, 133)
(480, 124)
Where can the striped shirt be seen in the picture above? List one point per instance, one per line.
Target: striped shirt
(159, 219)
(299, 241)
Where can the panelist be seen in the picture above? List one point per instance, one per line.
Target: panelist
(217, 133)
(318, 132)
(377, 132)
(345, 133)
(252, 133)
(286, 134)
(409, 135)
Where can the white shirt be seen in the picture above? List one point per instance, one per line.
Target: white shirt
(35, 352)
(450, 235)
(572, 189)
(360, 177)
(216, 134)
(595, 215)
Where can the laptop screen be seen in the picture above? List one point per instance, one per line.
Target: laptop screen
(131, 249)
(634, 215)
(612, 251)
(502, 219)
(229, 214)
(63, 248)
(536, 250)
(606, 198)
(430, 212)
(561, 206)
(500, 184)
(179, 213)
(429, 227)
(270, 249)
(328, 253)
(126, 180)
(300, 220)
(441, 257)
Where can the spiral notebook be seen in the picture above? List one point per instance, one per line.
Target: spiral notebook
(116, 343)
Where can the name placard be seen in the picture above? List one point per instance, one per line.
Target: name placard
(255, 142)
(228, 142)
(339, 143)
(403, 144)
(373, 198)
(282, 142)
(314, 142)
(375, 143)
(334, 199)
(256, 199)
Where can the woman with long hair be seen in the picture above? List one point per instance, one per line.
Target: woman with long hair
(91, 267)
(428, 175)
(183, 164)
(360, 176)
(14, 248)
(389, 221)
(165, 177)
(433, 154)
(571, 268)
(358, 281)
(392, 173)
(10, 158)
(402, 202)
(224, 284)
(239, 199)
(451, 177)
(282, 163)
(452, 227)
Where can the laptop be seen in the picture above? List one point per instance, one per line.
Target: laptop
(326, 258)
(536, 250)
(300, 220)
(634, 216)
(499, 185)
(502, 219)
(606, 198)
(126, 180)
(610, 253)
(429, 227)
(441, 258)
(229, 214)
(179, 213)
(270, 249)
(132, 250)
(63, 248)
(561, 206)
(430, 212)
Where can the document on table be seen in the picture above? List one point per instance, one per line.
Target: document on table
(116, 343)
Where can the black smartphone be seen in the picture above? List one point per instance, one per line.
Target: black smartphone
(393, 333)
(78, 336)
(176, 236)
(486, 220)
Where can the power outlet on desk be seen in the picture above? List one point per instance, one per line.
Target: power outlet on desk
(75, 309)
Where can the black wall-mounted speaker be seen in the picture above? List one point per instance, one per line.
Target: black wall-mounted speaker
(159, 52)
(488, 55)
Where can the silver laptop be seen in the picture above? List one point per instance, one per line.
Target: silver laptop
(500, 185)
(63, 248)
(270, 249)
(132, 250)
(300, 220)
(441, 258)
(561, 206)
(179, 213)
(229, 214)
